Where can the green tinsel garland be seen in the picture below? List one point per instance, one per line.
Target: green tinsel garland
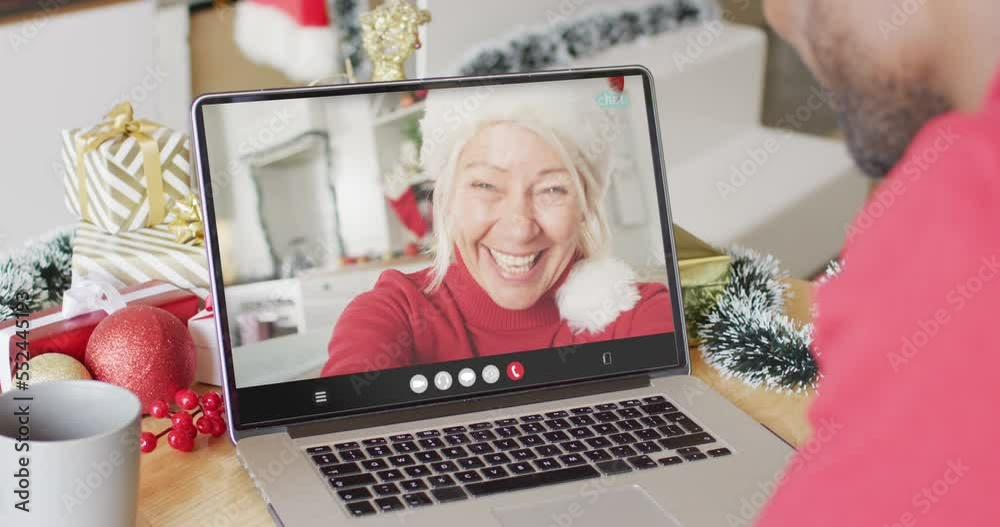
(747, 335)
(42, 269)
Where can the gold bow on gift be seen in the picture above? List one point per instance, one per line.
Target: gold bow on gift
(187, 225)
(121, 122)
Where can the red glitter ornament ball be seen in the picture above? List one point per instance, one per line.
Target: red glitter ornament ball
(143, 349)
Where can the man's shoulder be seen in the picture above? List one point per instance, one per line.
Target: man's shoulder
(955, 140)
(951, 164)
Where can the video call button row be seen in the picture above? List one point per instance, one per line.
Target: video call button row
(466, 377)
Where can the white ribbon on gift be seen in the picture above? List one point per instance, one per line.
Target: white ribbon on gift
(87, 296)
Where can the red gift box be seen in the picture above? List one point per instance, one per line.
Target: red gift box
(51, 331)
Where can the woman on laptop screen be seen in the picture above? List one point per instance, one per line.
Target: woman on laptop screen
(521, 239)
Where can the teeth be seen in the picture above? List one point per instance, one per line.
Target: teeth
(514, 265)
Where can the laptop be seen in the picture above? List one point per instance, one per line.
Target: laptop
(455, 301)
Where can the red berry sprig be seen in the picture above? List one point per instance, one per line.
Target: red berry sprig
(184, 428)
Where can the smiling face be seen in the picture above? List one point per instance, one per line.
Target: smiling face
(516, 215)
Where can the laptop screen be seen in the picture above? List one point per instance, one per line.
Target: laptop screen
(378, 246)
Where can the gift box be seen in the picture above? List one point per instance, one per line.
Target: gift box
(704, 273)
(125, 174)
(66, 329)
(208, 366)
(129, 258)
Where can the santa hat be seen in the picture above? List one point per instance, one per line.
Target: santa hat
(293, 36)
(567, 108)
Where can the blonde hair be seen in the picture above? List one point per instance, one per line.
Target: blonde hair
(563, 114)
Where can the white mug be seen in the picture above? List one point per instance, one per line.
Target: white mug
(69, 455)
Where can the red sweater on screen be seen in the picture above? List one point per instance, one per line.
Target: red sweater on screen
(396, 324)
(905, 425)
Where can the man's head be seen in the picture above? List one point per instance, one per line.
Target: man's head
(885, 62)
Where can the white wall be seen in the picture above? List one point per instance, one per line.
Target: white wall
(356, 173)
(632, 201)
(65, 70)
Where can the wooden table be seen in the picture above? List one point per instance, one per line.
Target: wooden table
(208, 487)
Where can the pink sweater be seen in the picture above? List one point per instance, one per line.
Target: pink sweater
(906, 429)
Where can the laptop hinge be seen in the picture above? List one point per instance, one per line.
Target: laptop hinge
(466, 406)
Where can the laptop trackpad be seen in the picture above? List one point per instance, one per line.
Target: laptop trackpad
(592, 507)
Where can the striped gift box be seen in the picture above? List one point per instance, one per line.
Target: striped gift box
(117, 198)
(139, 256)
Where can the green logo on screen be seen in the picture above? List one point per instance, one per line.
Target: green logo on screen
(612, 99)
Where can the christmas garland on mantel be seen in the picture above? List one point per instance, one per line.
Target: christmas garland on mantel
(566, 39)
(346, 17)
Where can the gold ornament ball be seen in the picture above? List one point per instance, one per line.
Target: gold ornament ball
(56, 367)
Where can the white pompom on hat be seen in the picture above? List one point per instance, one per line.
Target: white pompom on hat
(293, 36)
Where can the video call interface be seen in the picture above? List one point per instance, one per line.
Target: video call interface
(368, 232)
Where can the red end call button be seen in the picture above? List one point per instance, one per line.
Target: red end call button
(515, 371)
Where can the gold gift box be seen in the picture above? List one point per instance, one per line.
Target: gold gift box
(704, 273)
(125, 174)
(134, 257)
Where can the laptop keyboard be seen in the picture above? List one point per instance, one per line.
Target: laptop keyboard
(386, 474)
